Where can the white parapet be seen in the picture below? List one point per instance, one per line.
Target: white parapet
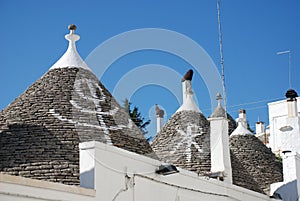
(87, 164)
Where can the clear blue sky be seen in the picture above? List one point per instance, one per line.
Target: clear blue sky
(32, 39)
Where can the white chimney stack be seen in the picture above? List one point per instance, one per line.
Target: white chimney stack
(260, 127)
(159, 118)
(242, 118)
(291, 96)
(219, 144)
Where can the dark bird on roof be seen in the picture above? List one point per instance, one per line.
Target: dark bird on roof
(159, 112)
(188, 76)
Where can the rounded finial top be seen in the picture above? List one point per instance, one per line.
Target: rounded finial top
(72, 27)
(159, 112)
(219, 97)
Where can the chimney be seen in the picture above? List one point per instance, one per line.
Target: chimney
(290, 132)
(160, 118)
(260, 127)
(242, 117)
(291, 98)
(219, 144)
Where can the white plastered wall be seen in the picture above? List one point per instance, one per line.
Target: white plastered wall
(284, 131)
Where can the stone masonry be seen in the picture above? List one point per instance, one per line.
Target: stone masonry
(41, 130)
(256, 160)
(174, 144)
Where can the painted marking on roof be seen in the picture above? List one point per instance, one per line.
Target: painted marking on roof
(92, 94)
(189, 139)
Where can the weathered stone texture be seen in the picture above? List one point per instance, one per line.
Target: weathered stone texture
(231, 124)
(172, 146)
(41, 130)
(256, 160)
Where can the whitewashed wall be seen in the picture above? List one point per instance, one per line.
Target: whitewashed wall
(125, 176)
(278, 118)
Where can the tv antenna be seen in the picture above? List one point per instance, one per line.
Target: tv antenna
(221, 56)
(290, 76)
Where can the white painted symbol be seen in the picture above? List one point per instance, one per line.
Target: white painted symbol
(94, 98)
(189, 139)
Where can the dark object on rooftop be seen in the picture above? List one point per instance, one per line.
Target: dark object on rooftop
(72, 27)
(291, 95)
(166, 170)
(188, 75)
(159, 112)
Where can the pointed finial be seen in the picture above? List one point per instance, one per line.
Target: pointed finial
(71, 58)
(219, 98)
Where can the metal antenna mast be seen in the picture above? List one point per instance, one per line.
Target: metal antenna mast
(290, 76)
(221, 55)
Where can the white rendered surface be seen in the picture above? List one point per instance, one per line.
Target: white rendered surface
(260, 127)
(188, 102)
(292, 109)
(291, 178)
(291, 167)
(242, 118)
(71, 58)
(284, 131)
(87, 168)
(159, 123)
(219, 145)
(240, 130)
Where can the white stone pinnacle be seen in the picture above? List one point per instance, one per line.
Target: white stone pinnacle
(71, 58)
(240, 130)
(188, 98)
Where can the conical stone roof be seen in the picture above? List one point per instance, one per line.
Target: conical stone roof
(254, 159)
(184, 141)
(41, 130)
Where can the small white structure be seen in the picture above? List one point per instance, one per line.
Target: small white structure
(262, 133)
(260, 127)
(71, 58)
(159, 118)
(242, 118)
(219, 143)
(284, 121)
(285, 140)
(242, 124)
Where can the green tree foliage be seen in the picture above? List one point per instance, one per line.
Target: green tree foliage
(136, 116)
